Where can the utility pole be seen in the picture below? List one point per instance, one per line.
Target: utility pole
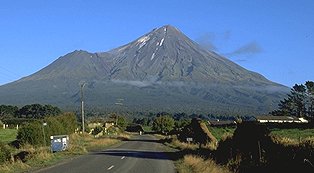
(82, 107)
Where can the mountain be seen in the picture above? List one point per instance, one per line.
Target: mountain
(162, 70)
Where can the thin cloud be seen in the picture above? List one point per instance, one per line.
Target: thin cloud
(226, 35)
(206, 41)
(247, 49)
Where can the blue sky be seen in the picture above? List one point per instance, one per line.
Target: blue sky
(274, 38)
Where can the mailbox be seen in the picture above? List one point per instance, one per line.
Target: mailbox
(59, 143)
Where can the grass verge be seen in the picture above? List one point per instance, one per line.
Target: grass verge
(33, 158)
(196, 164)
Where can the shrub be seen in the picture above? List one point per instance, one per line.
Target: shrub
(31, 133)
(163, 124)
(97, 130)
(122, 123)
(5, 153)
(68, 121)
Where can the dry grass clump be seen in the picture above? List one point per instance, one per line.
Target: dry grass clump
(308, 142)
(100, 143)
(13, 166)
(211, 146)
(183, 145)
(123, 136)
(197, 164)
(34, 156)
(82, 143)
(284, 141)
(37, 154)
(42, 154)
(191, 146)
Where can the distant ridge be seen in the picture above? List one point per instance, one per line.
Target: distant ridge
(162, 70)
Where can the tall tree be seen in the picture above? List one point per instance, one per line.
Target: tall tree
(310, 98)
(8, 110)
(300, 101)
(121, 122)
(38, 111)
(163, 124)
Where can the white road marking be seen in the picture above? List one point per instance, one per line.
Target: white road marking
(110, 167)
(122, 157)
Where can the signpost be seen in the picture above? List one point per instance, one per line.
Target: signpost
(44, 124)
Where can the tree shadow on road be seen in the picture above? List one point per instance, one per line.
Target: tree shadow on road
(146, 154)
(144, 140)
(137, 154)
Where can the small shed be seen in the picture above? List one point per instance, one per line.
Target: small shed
(59, 143)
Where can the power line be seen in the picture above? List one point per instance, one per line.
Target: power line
(9, 72)
(7, 75)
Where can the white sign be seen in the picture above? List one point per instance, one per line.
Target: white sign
(189, 139)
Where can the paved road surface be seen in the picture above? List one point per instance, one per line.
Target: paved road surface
(142, 154)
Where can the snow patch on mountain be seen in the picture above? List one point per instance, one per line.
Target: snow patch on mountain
(142, 41)
(153, 56)
(162, 41)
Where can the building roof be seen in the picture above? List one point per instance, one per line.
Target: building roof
(278, 118)
(221, 122)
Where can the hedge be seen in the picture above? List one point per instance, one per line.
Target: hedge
(34, 132)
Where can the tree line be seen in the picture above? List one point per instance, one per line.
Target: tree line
(299, 102)
(35, 111)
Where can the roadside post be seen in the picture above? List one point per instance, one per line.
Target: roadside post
(44, 124)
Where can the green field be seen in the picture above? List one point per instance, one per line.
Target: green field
(7, 135)
(219, 132)
(293, 133)
(296, 134)
(147, 128)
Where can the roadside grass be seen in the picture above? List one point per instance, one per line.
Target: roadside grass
(196, 164)
(7, 135)
(13, 167)
(36, 157)
(40, 157)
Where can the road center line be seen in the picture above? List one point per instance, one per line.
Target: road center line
(122, 157)
(110, 167)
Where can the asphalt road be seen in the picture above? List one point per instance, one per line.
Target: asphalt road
(141, 154)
